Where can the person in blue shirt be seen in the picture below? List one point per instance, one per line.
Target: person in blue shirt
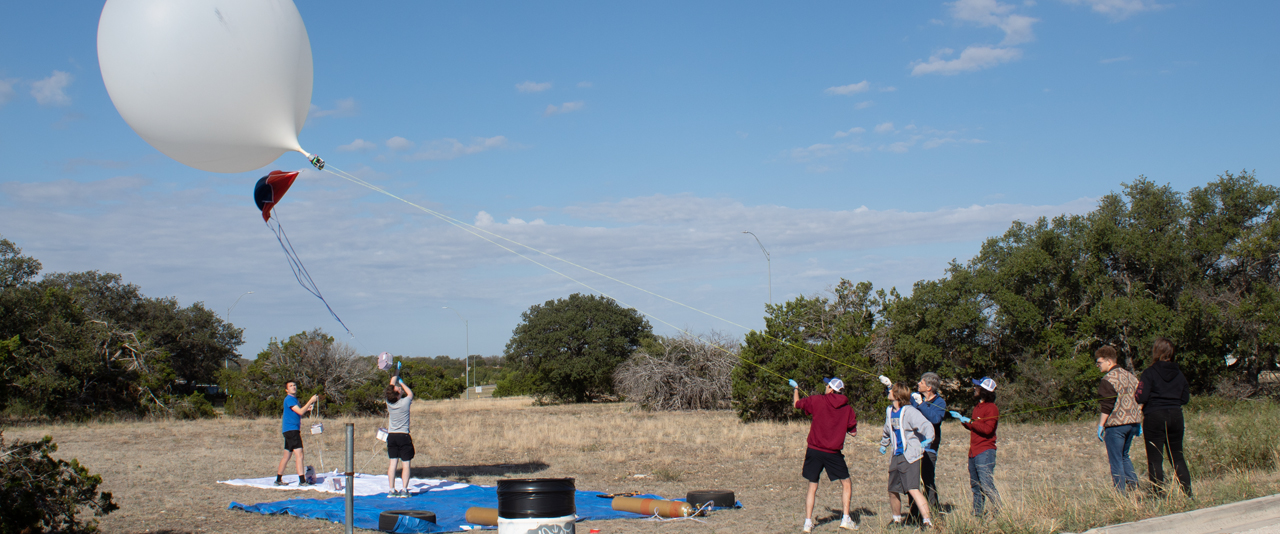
(934, 408)
(290, 426)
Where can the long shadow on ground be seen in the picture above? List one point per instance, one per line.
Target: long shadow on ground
(465, 472)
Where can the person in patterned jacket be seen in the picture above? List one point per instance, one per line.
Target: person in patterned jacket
(1120, 417)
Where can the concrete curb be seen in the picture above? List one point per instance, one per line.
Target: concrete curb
(1254, 516)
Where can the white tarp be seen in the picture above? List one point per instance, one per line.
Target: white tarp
(365, 484)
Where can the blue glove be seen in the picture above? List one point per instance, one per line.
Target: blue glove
(793, 383)
(882, 449)
(957, 415)
(397, 367)
(1099, 432)
(925, 444)
(1139, 430)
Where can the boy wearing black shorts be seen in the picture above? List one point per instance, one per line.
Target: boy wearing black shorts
(290, 425)
(833, 418)
(399, 442)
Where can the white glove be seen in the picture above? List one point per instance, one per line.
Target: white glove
(885, 380)
(916, 398)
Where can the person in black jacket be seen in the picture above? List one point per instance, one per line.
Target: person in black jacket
(1162, 390)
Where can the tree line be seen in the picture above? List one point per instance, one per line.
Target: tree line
(1200, 268)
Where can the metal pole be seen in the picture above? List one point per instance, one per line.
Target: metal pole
(351, 477)
(769, 262)
(466, 324)
(226, 363)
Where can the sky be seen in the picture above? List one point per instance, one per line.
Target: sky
(634, 143)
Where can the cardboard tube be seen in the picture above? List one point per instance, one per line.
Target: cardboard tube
(652, 506)
(482, 516)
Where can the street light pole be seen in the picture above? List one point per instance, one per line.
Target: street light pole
(467, 326)
(225, 363)
(768, 262)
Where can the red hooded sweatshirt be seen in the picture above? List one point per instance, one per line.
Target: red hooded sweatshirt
(832, 419)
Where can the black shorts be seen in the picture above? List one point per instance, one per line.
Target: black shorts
(815, 461)
(400, 446)
(292, 440)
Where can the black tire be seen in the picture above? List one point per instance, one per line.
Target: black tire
(387, 520)
(717, 498)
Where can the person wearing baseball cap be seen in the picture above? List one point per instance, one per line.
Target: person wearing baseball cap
(982, 445)
(833, 418)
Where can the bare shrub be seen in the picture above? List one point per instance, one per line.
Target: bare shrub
(680, 373)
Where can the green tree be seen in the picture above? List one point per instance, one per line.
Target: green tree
(567, 349)
(806, 339)
(41, 493)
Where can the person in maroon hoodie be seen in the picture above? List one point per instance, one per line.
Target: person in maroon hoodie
(833, 418)
(982, 445)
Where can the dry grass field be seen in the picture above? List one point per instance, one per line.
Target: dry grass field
(1052, 477)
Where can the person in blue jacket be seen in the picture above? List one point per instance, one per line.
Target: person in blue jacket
(934, 408)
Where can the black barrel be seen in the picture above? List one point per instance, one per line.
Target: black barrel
(524, 498)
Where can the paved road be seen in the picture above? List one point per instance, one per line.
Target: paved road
(1254, 516)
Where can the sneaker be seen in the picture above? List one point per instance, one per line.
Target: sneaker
(808, 526)
(848, 524)
(280, 482)
(393, 494)
(304, 483)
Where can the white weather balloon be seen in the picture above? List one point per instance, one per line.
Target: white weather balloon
(220, 85)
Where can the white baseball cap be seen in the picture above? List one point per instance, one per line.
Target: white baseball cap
(835, 383)
(986, 383)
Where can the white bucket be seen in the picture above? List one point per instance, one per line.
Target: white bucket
(382, 434)
(317, 428)
(537, 525)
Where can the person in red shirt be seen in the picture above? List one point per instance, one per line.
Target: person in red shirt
(982, 445)
(833, 418)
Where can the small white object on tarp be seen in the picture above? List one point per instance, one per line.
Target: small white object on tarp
(384, 361)
(335, 482)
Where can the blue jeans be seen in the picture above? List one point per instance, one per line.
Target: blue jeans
(982, 480)
(1118, 439)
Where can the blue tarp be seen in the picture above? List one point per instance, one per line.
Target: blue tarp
(449, 506)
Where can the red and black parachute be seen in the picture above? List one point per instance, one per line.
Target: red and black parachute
(268, 192)
(270, 189)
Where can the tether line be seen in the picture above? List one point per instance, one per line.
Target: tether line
(477, 231)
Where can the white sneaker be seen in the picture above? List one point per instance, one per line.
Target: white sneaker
(808, 526)
(848, 524)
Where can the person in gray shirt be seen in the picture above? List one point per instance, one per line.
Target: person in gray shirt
(399, 442)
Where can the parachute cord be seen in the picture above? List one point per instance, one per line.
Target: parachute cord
(477, 231)
(299, 270)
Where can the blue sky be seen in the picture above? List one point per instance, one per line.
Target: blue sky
(862, 140)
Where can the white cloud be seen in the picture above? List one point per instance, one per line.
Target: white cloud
(864, 104)
(382, 264)
(51, 91)
(532, 87)
(884, 127)
(359, 145)
(971, 59)
(6, 91)
(939, 141)
(585, 85)
(851, 89)
(1118, 9)
(1017, 28)
(515, 221)
(446, 149)
(851, 131)
(398, 143)
(888, 89)
(563, 108)
(346, 107)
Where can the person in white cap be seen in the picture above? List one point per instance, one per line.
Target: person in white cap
(982, 445)
(833, 418)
